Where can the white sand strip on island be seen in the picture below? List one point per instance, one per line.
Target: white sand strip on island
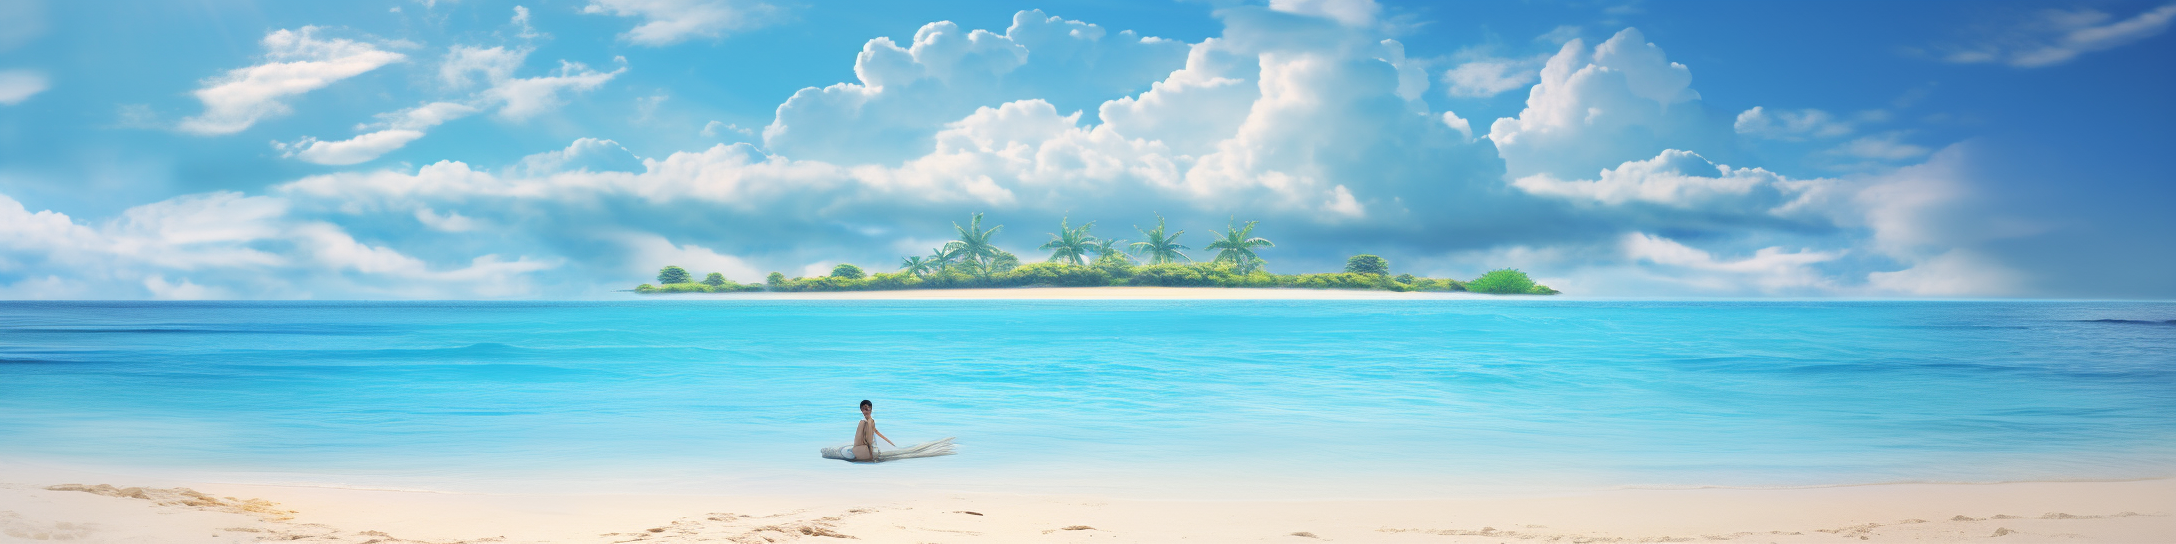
(1102, 293)
(2133, 511)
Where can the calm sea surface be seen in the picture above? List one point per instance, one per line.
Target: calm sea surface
(1209, 399)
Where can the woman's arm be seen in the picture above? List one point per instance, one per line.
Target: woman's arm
(880, 434)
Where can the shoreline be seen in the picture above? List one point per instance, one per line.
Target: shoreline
(1100, 293)
(2092, 511)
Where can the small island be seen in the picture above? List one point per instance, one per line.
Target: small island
(972, 261)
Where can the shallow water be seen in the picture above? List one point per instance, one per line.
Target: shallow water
(1208, 399)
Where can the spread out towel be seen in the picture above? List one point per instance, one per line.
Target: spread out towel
(935, 448)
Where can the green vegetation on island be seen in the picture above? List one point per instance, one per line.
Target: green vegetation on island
(973, 261)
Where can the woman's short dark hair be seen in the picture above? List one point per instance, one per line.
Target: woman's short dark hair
(866, 404)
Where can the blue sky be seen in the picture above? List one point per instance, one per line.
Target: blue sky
(566, 148)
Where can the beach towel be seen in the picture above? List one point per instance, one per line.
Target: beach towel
(933, 448)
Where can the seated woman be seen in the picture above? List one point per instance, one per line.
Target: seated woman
(865, 446)
(863, 450)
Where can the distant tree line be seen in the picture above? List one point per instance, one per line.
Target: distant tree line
(1078, 258)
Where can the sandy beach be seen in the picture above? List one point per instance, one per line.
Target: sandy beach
(62, 506)
(1104, 293)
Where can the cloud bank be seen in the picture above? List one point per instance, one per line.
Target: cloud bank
(1613, 179)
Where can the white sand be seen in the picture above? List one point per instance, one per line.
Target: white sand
(1103, 293)
(2136, 511)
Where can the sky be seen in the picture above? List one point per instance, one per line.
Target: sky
(566, 149)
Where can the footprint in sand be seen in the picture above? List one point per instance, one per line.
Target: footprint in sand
(1305, 534)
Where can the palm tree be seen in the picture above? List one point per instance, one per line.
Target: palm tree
(1159, 248)
(939, 259)
(974, 244)
(914, 265)
(1107, 248)
(1069, 244)
(1237, 246)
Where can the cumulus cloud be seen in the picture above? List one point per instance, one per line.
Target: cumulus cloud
(904, 95)
(666, 22)
(1592, 109)
(19, 85)
(396, 130)
(1678, 179)
(2056, 36)
(298, 62)
(1790, 125)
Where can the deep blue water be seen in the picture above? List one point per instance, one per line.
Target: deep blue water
(1151, 398)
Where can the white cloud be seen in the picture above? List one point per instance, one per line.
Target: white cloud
(714, 128)
(2056, 36)
(19, 85)
(361, 148)
(1593, 110)
(186, 290)
(1306, 124)
(584, 155)
(522, 98)
(666, 22)
(397, 129)
(521, 21)
(1489, 77)
(450, 222)
(464, 62)
(226, 244)
(1677, 179)
(1559, 35)
(517, 98)
(299, 62)
(1464, 128)
(1350, 12)
(1769, 270)
(1790, 125)
(1885, 147)
(905, 95)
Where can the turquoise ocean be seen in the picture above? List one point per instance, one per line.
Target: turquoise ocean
(1151, 399)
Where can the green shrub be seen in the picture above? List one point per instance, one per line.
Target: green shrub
(645, 288)
(672, 274)
(847, 271)
(1056, 274)
(1367, 264)
(683, 287)
(892, 281)
(1174, 275)
(1340, 280)
(1540, 289)
(774, 280)
(1434, 284)
(1405, 278)
(715, 279)
(1502, 282)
